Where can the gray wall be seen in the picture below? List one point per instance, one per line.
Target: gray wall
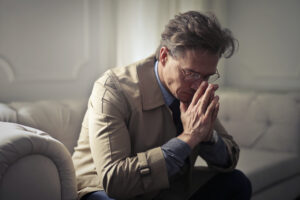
(269, 35)
(57, 48)
(48, 49)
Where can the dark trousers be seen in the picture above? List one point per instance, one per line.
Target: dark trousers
(231, 185)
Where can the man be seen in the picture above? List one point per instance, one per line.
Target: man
(147, 123)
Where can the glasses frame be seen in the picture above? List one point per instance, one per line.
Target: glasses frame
(194, 76)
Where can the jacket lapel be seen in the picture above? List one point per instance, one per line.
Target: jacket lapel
(151, 94)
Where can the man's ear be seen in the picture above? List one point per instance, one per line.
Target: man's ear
(163, 55)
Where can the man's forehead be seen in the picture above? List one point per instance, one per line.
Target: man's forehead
(199, 61)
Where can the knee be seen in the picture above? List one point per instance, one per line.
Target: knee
(243, 182)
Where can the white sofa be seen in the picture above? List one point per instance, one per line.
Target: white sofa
(36, 148)
(266, 125)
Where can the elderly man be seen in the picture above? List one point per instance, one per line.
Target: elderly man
(146, 123)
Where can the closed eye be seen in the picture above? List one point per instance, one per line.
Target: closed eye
(188, 72)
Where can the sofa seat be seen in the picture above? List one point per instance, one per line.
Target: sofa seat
(266, 169)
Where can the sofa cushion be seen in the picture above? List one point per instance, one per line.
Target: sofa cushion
(7, 114)
(282, 118)
(61, 119)
(267, 168)
(237, 115)
(267, 121)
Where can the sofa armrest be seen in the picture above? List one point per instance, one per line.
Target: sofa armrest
(33, 165)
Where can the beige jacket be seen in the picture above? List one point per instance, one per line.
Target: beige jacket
(119, 148)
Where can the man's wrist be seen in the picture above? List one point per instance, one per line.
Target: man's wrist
(213, 140)
(193, 141)
(189, 139)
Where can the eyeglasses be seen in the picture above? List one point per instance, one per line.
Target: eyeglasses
(194, 76)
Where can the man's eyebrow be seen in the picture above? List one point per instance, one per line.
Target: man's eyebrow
(190, 70)
(200, 73)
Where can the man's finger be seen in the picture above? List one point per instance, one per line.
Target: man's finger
(216, 111)
(205, 99)
(200, 91)
(211, 107)
(212, 96)
(216, 87)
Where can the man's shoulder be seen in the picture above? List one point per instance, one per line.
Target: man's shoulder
(126, 74)
(126, 80)
(131, 69)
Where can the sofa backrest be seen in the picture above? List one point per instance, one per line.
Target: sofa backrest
(60, 119)
(262, 120)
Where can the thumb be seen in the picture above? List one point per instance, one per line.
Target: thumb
(183, 107)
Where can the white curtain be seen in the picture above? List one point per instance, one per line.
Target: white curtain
(57, 49)
(130, 29)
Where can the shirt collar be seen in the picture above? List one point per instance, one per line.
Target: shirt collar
(169, 98)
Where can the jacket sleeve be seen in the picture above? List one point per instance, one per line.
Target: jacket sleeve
(122, 173)
(231, 147)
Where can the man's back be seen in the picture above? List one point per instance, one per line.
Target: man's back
(141, 122)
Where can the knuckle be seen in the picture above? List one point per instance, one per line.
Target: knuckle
(205, 120)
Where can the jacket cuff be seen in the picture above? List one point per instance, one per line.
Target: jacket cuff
(153, 170)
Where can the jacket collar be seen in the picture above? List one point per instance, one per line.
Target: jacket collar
(151, 94)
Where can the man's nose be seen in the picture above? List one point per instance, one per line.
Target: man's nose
(196, 84)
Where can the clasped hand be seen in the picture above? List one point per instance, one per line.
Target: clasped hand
(199, 115)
